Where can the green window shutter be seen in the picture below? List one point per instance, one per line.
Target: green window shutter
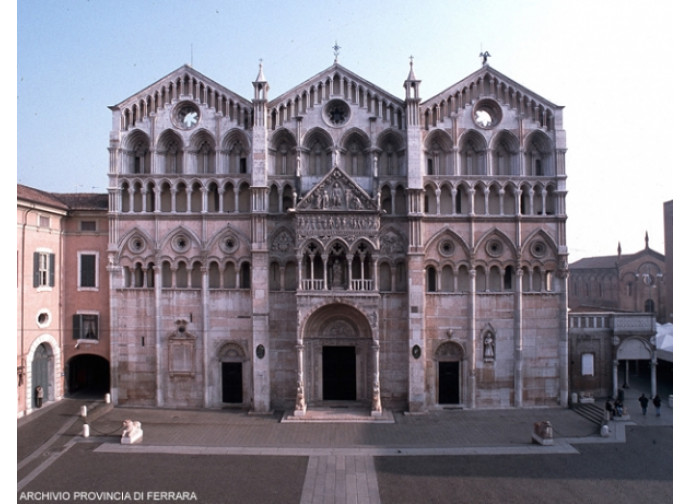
(76, 326)
(51, 270)
(37, 274)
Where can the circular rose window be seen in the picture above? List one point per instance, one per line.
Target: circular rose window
(494, 248)
(337, 112)
(487, 114)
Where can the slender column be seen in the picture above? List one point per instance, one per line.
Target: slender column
(349, 271)
(156, 199)
(473, 338)
(517, 321)
(615, 376)
(159, 340)
(376, 395)
(300, 402)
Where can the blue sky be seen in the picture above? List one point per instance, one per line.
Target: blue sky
(610, 63)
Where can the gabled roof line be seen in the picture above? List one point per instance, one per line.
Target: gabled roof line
(488, 69)
(335, 67)
(170, 76)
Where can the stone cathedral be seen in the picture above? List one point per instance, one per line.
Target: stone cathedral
(338, 244)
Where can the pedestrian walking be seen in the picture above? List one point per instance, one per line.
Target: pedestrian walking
(657, 404)
(644, 402)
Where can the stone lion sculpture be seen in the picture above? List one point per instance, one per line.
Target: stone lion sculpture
(132, 431)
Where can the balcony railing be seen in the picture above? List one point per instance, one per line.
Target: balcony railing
(355, 285)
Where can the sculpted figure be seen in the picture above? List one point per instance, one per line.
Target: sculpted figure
(132, 432)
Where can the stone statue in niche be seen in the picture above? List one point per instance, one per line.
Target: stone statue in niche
(300, 403)
(337, 195)
(338, 280)
(489, 347)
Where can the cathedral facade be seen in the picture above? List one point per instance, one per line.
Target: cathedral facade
(336, 244)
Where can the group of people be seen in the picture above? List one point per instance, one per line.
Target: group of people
(644, 402)
(616, 408)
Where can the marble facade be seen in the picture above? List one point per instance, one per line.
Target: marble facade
(338, 244)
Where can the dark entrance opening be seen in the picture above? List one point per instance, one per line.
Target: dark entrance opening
(339, 373)
(89, 376)
(449, 382)
(232, 382)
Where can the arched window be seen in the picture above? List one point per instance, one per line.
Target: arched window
(319, 158)
(181, 277)
(463, 279)
(245, 276)
(171, 151)
(229, 276)
(355, 157)
(431, 279)
(140, 157)
(214, 276)
(473, 155)
(385, 283)
(447, 279)
(290, 276)
(505, 155)
(274, 276)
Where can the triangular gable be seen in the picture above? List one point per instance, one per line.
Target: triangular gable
(337, 192)
(472, 80)
(328, 75)
(180, 75)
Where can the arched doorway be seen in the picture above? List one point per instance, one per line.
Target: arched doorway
(234, 375)
(88, 375)
(42, 373)
(339, 362)
(449, 373)
(634, 357)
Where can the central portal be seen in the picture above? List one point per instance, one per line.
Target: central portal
(339, 373)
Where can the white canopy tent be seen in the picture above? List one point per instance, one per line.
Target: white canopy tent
(664, 341)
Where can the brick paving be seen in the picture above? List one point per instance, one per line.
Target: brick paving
(340, 446)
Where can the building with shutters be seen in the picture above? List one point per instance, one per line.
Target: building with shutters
(62, 296)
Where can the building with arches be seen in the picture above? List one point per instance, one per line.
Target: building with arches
(62, 296)
(617, 304)
(338, 243)
(623, 282)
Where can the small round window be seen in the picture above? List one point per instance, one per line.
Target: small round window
(446, 248)
(337, 112)
(494, 248)
(136, 244)
(487, 114)
(186, 115)
(43, 318)
(538, 249)
(228, 244)
(180, 243)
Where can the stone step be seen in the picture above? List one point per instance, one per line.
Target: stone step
(591, 412)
